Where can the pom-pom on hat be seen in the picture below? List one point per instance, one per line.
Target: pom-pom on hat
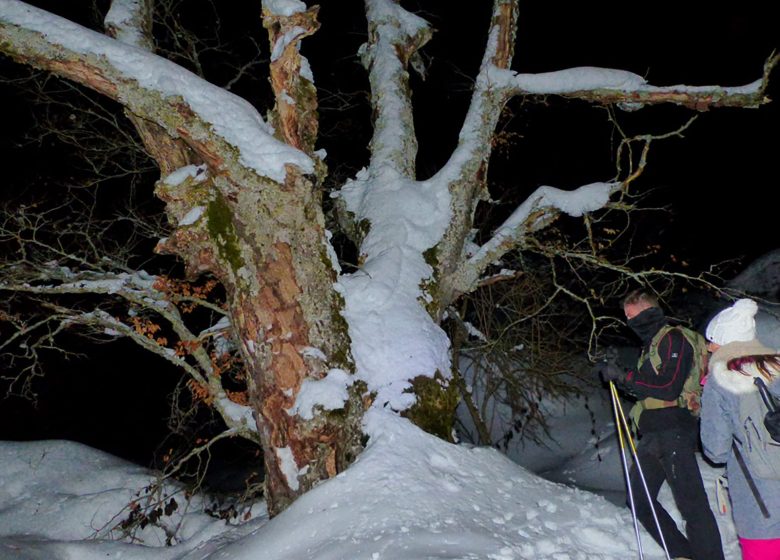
(734, 324)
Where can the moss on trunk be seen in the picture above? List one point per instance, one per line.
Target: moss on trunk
(434, 410)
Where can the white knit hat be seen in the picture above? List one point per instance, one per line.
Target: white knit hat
(734, 324)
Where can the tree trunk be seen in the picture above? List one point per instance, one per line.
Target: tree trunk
(268, 248)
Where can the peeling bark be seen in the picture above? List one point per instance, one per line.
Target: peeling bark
(296, 97)
(279, 282)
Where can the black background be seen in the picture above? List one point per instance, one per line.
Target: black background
(719, 181)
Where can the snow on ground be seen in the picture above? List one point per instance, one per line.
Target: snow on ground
(594, 463)
(66, 491)
(409, 496)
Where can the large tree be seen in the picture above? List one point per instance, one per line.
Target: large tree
(243, 197)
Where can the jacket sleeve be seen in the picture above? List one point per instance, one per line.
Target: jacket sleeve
(715, 428)
(666, 383)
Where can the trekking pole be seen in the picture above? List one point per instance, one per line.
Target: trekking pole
(616, 400)
(624, 461)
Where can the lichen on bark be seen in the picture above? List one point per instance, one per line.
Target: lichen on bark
(223, 232)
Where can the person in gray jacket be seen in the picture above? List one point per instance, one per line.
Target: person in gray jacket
(737, 359)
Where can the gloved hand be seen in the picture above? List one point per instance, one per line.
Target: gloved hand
(613, 372)
(623, 356)
(609, 371)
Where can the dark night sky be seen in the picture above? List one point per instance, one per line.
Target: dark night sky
(720, 168)
(718, 179)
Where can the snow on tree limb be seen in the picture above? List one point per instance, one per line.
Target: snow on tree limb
(130, 21)
(465, 173)
(474, 139)
(395, 35)
(284, 8)
(139, 290)
(630, 91)
(466, 170)
(209, 118)
(395, 339)
(535, 213)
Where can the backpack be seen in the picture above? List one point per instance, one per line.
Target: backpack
(690, 396)
(759, 449)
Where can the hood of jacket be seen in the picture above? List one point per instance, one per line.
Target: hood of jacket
(737, 381)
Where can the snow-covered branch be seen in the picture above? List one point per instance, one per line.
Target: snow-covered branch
(130, 21)
(630, 91)
(465, 173)
(394, 35)
(474, 140)
(151, 309)
(186, 106)
(536, 212)
(237, 417)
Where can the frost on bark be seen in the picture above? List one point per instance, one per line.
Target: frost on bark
(255, 221)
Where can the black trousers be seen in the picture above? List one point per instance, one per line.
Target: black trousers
(669, 455)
